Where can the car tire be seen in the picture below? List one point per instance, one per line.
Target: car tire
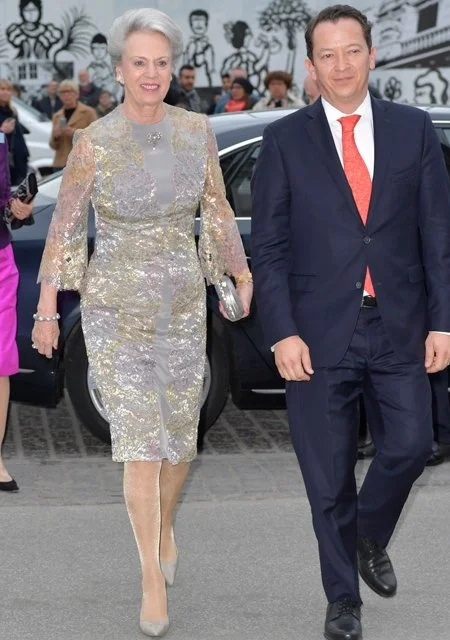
(87, 404)
(217, 394)
(77, 384)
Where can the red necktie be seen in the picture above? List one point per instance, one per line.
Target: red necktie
(358, 177)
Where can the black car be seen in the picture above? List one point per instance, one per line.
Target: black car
(238, 359)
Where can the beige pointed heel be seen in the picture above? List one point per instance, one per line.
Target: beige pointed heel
(154, 628)
(169, 570)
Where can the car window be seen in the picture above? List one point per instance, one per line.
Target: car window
(50, 186)
(444, 138)
(22, 106)
(238, 183)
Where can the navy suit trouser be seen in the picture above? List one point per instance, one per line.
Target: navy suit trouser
(324, 423)
(440, 407)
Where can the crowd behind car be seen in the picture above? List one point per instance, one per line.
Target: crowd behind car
(72, 105)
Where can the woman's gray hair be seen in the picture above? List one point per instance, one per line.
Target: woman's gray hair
(143, 20)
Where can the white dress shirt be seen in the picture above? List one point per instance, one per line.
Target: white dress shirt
(363, 131)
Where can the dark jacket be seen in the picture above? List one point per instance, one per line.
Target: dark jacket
(89, 95)
(5, 191)
(311, 250)
(18, 147)
(45, 106)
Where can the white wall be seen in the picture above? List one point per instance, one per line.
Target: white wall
(414, 65)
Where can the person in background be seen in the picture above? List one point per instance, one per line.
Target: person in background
(105, 103)
(278, 85)
(89, 92)
(311, 90)
(9, 277)
(236, 72)
(51, 103)
(173, 95)
(219, 93)
(73, 115)
(188, 98)
(17, 91)
(14, 132)
(241, 96)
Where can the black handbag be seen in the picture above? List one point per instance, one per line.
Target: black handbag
(25, 191)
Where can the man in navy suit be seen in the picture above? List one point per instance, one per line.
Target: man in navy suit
(351, 267)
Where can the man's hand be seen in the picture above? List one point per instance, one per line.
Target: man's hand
(293, 360)
(437, 352)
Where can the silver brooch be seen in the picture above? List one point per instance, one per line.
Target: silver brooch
(154, 138)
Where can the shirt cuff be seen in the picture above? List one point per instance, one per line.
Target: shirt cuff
(444, 333)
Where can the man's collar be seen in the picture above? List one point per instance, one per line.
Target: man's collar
(334, 114)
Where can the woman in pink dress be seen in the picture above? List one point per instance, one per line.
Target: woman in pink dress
(9, 361)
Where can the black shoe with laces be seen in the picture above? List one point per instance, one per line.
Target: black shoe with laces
(343, 621)
(375, 568)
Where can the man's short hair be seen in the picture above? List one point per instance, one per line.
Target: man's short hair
(333, 14)
(186, 67)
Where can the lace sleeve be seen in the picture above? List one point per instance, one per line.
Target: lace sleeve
(220, 244)
(64, 260)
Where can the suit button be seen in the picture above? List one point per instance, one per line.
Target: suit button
(367, 240)
(358, 285)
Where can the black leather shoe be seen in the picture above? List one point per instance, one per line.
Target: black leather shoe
(11, 485)
(375, 568)
(343, 621)
(439, 454)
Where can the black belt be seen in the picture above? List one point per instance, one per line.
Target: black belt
(369, 301)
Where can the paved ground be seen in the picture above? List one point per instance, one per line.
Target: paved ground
(249, 569)
(52, 434)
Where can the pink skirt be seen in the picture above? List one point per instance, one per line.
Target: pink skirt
(9, 279)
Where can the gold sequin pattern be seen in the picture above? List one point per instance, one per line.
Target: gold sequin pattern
(143, 292)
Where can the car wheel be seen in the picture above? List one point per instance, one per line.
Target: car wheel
(86, 398)
(214, 399)
(83, 392)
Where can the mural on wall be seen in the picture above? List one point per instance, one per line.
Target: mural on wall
(199, 51)
(40, 48)
(413, 50)
(290, 17)
(42, 40)
(256, 63)
(100, 67)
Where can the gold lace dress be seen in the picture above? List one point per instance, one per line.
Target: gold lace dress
(143, 299)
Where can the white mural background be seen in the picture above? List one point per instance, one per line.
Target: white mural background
(44, 39)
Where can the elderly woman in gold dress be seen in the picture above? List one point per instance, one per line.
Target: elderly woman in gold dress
(145, 167)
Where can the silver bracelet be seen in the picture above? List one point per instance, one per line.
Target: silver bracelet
(39, 318)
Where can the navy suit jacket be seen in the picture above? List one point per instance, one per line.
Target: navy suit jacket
(310, 248)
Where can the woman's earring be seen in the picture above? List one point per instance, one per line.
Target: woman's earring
(119, 78)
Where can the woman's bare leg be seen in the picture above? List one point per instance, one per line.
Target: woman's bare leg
(143, 500)
(4, 401)
(172, 480)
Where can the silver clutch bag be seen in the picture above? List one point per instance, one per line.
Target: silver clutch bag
(229, 298)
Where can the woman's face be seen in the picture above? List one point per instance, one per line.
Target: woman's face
(146, 68)
(5, 94)
(277, 89)
(237, 92)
